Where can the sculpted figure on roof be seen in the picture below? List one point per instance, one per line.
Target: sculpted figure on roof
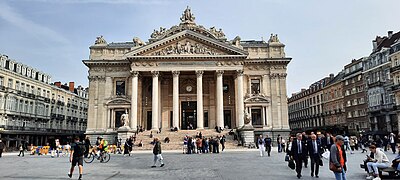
(187, 16)
(100, 40)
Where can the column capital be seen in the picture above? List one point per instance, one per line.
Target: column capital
(219, 72)
(239, 72)
(155, 73)
(135, 73)
(175, 73)
(199, 73)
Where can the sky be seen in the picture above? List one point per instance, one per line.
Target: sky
(321, 36)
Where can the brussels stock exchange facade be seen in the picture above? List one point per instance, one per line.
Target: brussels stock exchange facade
(187, 77)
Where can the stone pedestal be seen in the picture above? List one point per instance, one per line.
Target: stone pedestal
(247, 135)
(124, 132)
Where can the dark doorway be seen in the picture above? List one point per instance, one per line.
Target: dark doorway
(118, 115)
(189, 115)
(227, 118)
(256, 117)
(148, 120)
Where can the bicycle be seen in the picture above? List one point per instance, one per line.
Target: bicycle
(104, 157)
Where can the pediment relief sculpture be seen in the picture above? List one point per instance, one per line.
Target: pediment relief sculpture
(186, 47)
(118, 101)
(257, 98)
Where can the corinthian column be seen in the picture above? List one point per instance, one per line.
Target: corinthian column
(134, 100)
(154, 101)
(240, 98)
(220, 100)
(175, 99)
(200, 120)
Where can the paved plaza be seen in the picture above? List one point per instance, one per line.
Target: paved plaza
(227, 165)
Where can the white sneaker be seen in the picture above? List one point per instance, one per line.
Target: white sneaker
(370, 177)
(377, 178)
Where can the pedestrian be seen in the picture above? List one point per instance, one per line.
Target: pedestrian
(337, 159)
(327, 141)
(87, 145)
(216, 144)
(278, 143)
(298, 153)
(2, 146)
(379, 160)
(157, 153)
(21, 150)
(268, 142)
(76, 157)
(127, 147)
(352, 143)
(392, 142)
(261, 145)
(283, 144)
(385, 143)
(222, 141)
(396, 161)
(315, 151)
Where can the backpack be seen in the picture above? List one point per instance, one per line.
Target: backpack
(79, 149)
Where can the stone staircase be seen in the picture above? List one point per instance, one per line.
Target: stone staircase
(176, 139)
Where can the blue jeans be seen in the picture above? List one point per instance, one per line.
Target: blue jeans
(340, 176)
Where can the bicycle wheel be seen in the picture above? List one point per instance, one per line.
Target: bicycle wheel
(89, 158)
(106, 158)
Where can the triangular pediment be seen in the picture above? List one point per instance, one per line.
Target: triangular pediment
(257, 98)
(187, 43)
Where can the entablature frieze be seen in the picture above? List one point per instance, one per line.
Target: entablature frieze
(97, 78)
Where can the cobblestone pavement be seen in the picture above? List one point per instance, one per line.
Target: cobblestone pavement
(226, 165)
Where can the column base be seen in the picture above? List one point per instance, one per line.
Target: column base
(200, 128)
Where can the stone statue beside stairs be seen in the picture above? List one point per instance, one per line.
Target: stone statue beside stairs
(125, 119)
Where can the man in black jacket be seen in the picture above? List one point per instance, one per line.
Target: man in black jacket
(157, 153)
(298, 153)
(314, 151)
(268, 142)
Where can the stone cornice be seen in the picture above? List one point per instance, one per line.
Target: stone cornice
(92, 63)
(284, 61)
(196, 57)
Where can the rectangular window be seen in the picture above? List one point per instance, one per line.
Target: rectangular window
(255, 86)
(120, 88)
(10, 83)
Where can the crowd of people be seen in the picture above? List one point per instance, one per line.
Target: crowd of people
(302, 146)
(200, 144)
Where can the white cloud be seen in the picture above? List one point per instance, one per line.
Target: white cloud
(41, 32)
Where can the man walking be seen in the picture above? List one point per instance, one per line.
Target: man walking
(157, 153)
(77, 152)
(268, 142)
(392, 142)
(261, 145)
(314, 151)
(2, 146)
(298, 153)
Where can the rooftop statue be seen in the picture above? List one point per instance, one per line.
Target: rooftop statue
(273, 38)
(100, 40)
(187, 16)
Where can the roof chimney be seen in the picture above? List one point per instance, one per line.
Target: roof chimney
(71, 87)
(58, 84)
(390, 33)
(374, 44)
(331, 76)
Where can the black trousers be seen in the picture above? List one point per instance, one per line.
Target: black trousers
(315, 164)
(21, 152)
(268, 149)
(393, 147)
(299, 165)
(1, 152)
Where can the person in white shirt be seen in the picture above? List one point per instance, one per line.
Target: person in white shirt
(380, 160)
(261, 145)
(392, 142)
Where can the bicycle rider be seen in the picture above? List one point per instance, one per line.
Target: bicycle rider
(103, 147)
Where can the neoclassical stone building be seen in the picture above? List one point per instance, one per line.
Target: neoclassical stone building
(187, 77)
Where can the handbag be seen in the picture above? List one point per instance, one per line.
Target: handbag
(291, 164)
(333, 167)
(287, 157)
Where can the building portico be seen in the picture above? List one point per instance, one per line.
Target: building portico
(187, 77)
